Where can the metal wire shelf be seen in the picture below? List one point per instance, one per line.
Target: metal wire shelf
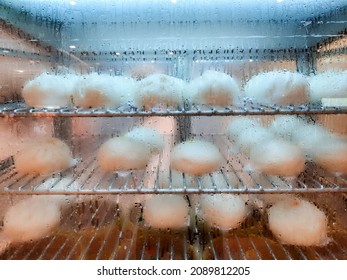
(18, 109)
(87, 178)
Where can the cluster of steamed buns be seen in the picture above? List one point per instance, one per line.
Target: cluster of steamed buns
(291, 88)
(92, 90)
(130, 151)
(292, 220)
(283, 148)
(304, 225)
(318, 144)
(157, 89)
(279, 150)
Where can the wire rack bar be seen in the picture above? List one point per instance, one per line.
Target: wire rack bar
(18, 109)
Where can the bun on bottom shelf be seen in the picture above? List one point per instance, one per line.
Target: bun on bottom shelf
(298, 222)
(92, 228)
(166, 211)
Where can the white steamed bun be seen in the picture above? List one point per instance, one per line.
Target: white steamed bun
(121, 153)
(252, 136)
(101, 90)
(49, 90)
(278, 87)
(278, 158)
(329, 84)
(332, 155)
(148, 136)
(159, 89)
(298, 222)
(213, 88)
(44, 157)
(310, 137)
(31, 219)
(284, 126)
(224, 211)
(238, 124)
(165, 211)
(196, 157)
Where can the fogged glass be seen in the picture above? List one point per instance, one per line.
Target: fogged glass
(177, 129)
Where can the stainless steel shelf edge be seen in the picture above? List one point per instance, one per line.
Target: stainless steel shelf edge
(90, 180)
(18, 109)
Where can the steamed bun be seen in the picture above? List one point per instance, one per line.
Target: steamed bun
(121, 153)
(322, 147)
(213, 88)
(31, 219)
(148, 136)
(159, 89)
(49, 90)
(196, 157)
(251, 137)
(44, 157)
(166, 211)
(277, 87)
(310, 137)
(224, 211)
(332, 155)
(329, 84)
(298, 222)
(102, 90)
(238, 124)
(278, 158)
(285, 126)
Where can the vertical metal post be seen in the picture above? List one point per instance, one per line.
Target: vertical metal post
(306, 61)
(62, 129)
(182, 70)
